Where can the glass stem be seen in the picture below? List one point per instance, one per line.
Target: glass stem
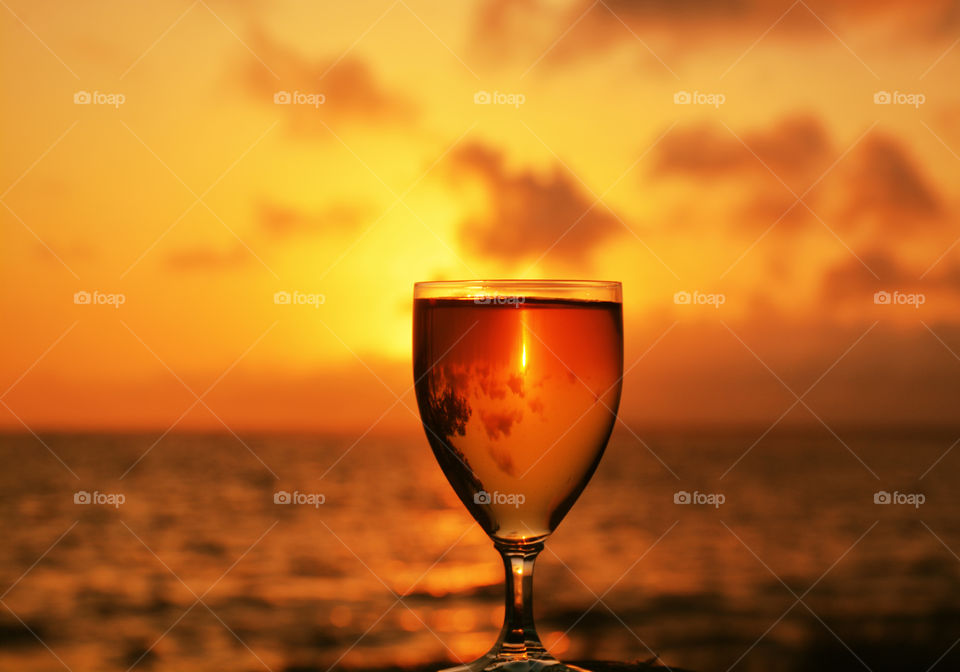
(519, 639)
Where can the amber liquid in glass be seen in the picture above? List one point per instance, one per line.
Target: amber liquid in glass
(518, 399)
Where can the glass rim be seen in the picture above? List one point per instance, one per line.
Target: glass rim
(608, 290)
(530, 284)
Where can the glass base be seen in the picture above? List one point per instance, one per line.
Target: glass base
(491, 662)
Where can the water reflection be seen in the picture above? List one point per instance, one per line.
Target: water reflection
(305, 593)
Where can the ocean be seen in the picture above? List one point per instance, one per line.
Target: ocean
(813, 552)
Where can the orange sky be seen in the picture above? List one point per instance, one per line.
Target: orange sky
(198, 198)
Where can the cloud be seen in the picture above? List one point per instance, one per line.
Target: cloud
(528, 213)
(886, 191)
(502, 28)
(851, 276)
(585, 27)
(281, 221)
(879, 189)
(851, 280)
(796, 149)
(678, 25)
(793, 149)
(350, 88)
(499, 423)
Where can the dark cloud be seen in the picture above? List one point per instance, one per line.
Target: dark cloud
(498, 424)
(616, 22)
(589, 28)
(851, 279)
(879, 189)
(282, 221)
(701, 152)
(350, 88)
(886, 191)
(530, 213)
(680, 26)
(793, 149)
(796, 150)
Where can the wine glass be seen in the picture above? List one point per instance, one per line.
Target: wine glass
(518, 383)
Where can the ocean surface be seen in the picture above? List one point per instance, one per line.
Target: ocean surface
(182, 560)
